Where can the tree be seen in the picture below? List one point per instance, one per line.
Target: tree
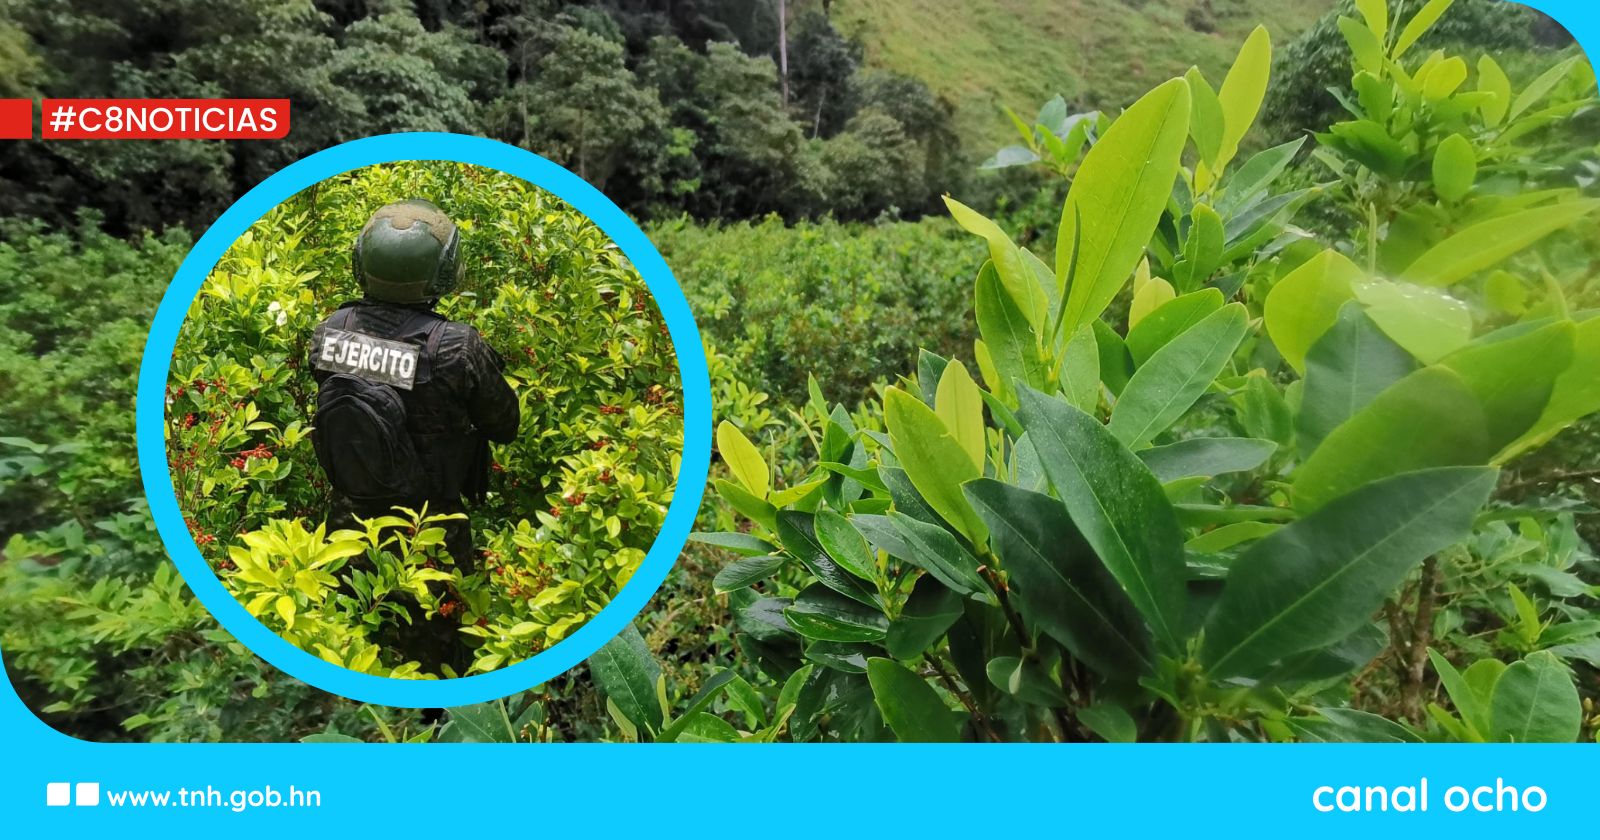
(821, 65)
(750, 146)
(872, 166)
(583, 108)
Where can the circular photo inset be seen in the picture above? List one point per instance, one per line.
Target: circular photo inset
(424, 419)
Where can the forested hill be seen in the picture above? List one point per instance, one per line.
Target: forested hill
(982, 54)
(717, 109)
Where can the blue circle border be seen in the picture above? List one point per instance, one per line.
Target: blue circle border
(150, 411)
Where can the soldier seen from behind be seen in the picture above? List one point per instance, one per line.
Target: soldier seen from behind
(409, 401)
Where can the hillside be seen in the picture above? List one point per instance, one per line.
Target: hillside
(1098, 53)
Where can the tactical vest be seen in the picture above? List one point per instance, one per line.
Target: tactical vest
(401, 434)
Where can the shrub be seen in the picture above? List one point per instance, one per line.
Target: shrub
(847, 304)
(101, 639)
(1245, 511)
(574, 501)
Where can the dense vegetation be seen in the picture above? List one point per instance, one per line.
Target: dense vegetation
(1256, 504)
(670, 107)
(783, 624)
(574, 502)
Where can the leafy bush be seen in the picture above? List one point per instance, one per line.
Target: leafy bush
(847, 304)
(574, 501)
(1320, 58)
(1256, 507)
(100, 637)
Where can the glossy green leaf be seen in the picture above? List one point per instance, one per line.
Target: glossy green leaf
(1203, 250)
(845, 545)
(1116, 365)
(1429, 323)
(743, 459)
(1206, 457)
(1366, 47)
(957, 404)
(1163, 388)
(792, 496)
(1147, 298)
(797, 532)
(1506, 292)
(1256, 175)
(760, 618)
(1455, 167)
(1375, 95)
(933, 459)
(1418, 25)
(1345, 371)
(1474, 712)
(1513, 377)
(1540, 87)
(1576, 393)
(626, 674)
(755, 509)
(906, 498)
(1493, 81)
(1264, 411)
(1305, 302)
(909, 705)
(1228, 536)
(1535, 701)
(1109, 721)
(1370, 144)
(1080, 370)
(1319, 579)
(929, 611)
(1169, 321)
(1482, 677)
(933, 549)
(1118, 506)
(1444, 78)
(1057, 582)
(705, 728)
(1485, 244)
(1339, 659)
(1117, 198)
(930, 366)
(1205, 116)
(1428, 419)
(1026, 680)
(747, 571)
(1376, 14)
(849, 657)
(703, 698)
(735, 541)
(819, 612)
(1352, 726)
(1012, 343)
(1243, 90)
(1010, 265)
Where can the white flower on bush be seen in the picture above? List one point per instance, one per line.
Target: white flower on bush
(279, 315)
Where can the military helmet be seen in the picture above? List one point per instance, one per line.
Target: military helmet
(408, 252)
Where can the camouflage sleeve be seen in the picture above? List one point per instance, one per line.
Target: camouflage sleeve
(489, 401)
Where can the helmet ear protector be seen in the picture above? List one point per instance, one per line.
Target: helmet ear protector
(408, 252)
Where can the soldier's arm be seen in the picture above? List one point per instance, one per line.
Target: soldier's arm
(491, 403)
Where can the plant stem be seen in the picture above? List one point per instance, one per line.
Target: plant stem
(965, 697)
(1023, 638)
(1421, 636)
(1372, 238)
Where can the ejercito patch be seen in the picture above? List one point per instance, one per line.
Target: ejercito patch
(376, 359)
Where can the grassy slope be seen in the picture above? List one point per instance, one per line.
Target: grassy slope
(1098, 53)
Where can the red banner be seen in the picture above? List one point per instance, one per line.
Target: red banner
(16, 119)
(165, 119)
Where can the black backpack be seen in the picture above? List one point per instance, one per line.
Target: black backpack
(359, 430)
